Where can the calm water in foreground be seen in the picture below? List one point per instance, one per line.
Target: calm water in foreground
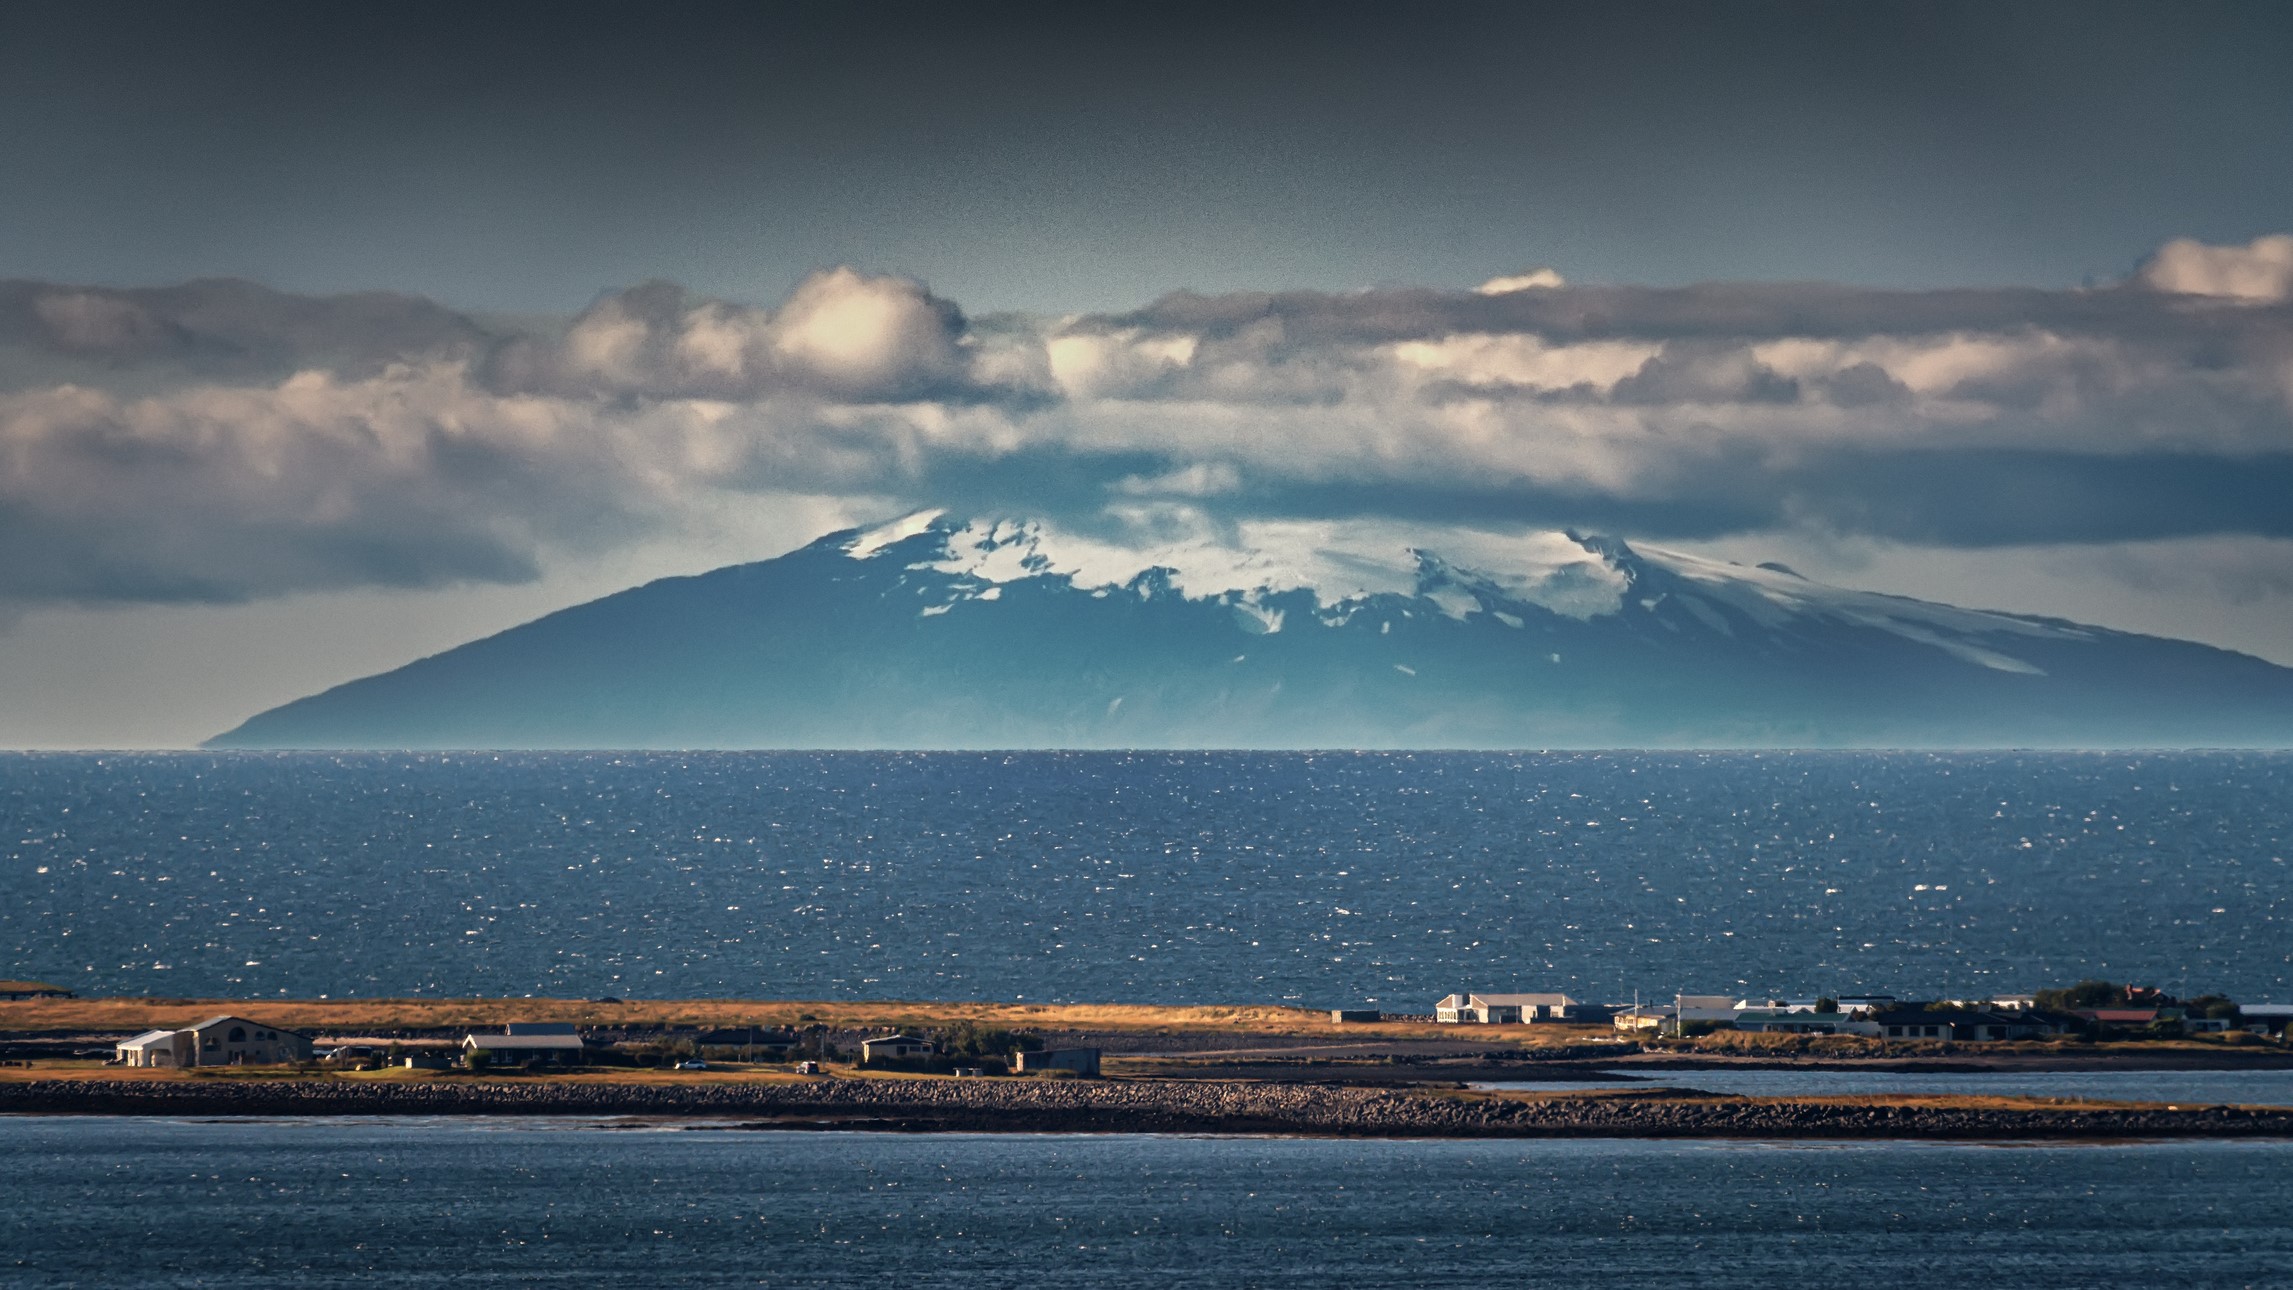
(1181, 877)
(157, 1202)
(2233, 1087)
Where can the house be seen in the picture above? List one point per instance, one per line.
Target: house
(1696, 1013)
(2126, 1018)
(897, 1048)
(2270, 1018)
(1504, 1009)
(1346, 1016)
(1641, 1019)
(1844, 1003)
(1792, 1021)
(18, 991)
(1082, 1061)
(236, 1041)
(546, 1043)
(1962, 1025)
(155, 1048)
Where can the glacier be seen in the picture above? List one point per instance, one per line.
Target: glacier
(943, 631)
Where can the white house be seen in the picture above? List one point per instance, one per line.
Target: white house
(1641, 1018)
(1503, 1009)
(156, 1048)
(894, 1048)
(217, 1041)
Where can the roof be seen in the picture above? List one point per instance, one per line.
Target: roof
(1524, 1000)
(1951, 1016)
(1791, 1014)
(522, 1043)
(2119, 1014)
(148, 1037)
(896, 1039)
(228, 1019)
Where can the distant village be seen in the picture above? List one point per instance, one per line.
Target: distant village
(2093, 1009)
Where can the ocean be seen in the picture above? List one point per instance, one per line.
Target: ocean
(151, 1202)
(1323, 879)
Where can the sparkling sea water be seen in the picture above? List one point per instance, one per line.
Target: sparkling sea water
(1328, 878)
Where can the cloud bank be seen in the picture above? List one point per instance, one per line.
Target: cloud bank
(219, 442)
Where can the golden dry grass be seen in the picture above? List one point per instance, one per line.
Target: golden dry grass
(349, 1016)
(719, 1073)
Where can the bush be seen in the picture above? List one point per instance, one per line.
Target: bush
(971, 1041)
(2086, 994)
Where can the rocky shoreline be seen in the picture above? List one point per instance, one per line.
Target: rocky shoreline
(1142, 1106)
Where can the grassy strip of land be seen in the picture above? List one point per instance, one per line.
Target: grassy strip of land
(351, 1016)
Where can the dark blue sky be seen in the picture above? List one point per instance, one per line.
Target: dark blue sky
(1055, 157)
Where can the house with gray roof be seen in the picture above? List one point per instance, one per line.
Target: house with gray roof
(217, 1041)
(520, 1043)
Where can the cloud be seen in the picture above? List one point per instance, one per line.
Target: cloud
(1528, 281)
(841, 335)
(2260, 271)
(217, 441)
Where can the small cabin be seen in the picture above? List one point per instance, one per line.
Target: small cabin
(155, 1048)
(1081, 1061)
(528, 1043)
(895, 1048)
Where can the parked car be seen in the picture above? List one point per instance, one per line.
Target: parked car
(696, 1064)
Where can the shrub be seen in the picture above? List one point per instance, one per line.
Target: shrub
(971, 1041)
(2086, 994)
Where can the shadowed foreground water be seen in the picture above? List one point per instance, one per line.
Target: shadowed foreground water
(154, 1202)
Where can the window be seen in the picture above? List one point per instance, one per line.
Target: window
(238, 1034)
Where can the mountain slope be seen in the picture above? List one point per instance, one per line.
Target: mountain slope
(933, 632)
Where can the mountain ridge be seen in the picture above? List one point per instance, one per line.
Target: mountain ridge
(939, 632)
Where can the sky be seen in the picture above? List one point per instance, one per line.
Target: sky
(331, 336)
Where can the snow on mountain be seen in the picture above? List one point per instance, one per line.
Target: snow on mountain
(937, 631)
(1462, 571)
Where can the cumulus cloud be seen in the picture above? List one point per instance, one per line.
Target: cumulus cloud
(2260, 271)
(841, 335)
(217, 441)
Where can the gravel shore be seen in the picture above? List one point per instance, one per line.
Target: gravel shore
(1138, 1106)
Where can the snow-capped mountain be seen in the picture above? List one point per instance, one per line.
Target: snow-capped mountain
(934, 631)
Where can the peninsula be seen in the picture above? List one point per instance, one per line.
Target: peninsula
(793, 1065)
